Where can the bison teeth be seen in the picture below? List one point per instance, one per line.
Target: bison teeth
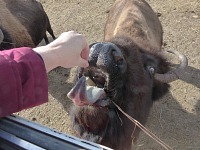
(94, 93)
(89, 82)
(81, 94)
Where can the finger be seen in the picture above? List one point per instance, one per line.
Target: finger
(83, 63)
(85, 52)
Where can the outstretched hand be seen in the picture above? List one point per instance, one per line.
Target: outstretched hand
(68, 50)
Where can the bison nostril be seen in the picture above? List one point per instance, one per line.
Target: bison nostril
(117, 57)
(119, 60)
(113, 50)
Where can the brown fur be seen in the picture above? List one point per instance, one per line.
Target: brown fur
(26, 23)
(108, 126)
(134, 28)
(136, 19)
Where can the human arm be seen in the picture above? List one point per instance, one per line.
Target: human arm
(23, 80)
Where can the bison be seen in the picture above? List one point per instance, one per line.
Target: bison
(128, 68)
(23, 23)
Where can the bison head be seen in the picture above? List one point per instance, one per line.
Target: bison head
(120, 73)
(115, 73)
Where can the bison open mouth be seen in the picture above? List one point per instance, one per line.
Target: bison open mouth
(86, 92)
(97, 84)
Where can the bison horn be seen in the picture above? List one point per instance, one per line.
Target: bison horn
(174, 74)
(1, 36)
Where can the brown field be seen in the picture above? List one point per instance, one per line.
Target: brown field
(175, 118)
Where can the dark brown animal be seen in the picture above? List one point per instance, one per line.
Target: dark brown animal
(23, 23)
(127, 69)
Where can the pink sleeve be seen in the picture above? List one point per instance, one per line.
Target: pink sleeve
(23, 80)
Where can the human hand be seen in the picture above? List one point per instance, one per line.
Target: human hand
(68, 50)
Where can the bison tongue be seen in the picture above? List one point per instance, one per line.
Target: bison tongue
(82, 95)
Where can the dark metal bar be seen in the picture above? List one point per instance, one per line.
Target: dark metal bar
(19, 133)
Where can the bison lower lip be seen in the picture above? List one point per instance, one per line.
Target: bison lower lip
(90, 95)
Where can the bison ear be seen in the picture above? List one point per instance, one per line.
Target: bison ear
(1, 36)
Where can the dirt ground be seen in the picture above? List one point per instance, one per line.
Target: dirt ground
(175, 118)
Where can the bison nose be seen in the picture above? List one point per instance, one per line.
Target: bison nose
(107, 55)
